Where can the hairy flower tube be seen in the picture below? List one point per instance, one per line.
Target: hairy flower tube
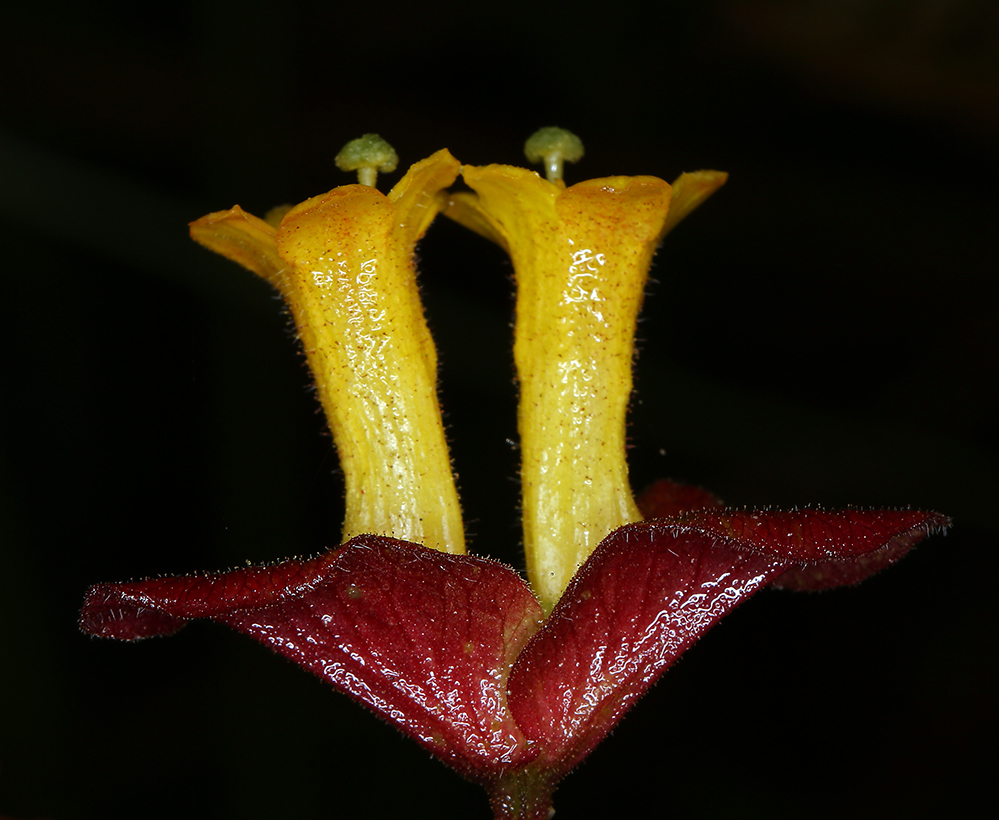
(510, 683)
(581, 256)
(343, 262)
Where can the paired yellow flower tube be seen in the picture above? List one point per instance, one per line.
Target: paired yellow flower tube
(344, 264)
(581, 257)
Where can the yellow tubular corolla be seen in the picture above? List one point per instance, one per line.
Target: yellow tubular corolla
(581, 257)
(343, 262)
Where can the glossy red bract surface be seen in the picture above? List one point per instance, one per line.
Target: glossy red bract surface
(455, 652)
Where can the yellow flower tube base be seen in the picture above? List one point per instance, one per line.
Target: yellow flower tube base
(343, 262)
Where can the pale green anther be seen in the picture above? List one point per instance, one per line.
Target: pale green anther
(368, 155)
(553, 146)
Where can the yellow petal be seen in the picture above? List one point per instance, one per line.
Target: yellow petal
(244, 239)
(508, 202)
(689, 191)
(418, 195)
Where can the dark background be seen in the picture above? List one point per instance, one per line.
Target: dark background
(824, 330)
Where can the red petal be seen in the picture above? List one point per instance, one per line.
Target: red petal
(651, 589)
(424, 638)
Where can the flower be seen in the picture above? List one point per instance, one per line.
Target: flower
(510, 684)
(581, 257)
(343, 262)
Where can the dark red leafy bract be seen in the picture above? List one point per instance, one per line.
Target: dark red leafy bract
(424, 638)
(651, 589)
(449, 649)
(824, 548)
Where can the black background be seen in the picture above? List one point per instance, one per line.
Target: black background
(824, 330)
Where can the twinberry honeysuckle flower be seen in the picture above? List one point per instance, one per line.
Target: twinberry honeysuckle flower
(510, 683)
(343, 262)
(581, 258)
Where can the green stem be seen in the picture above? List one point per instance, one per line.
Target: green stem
(521, 796)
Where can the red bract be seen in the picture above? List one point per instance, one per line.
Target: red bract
(454, 651)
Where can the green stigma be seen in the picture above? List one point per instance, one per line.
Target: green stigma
(368, 155)
(553, 146)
